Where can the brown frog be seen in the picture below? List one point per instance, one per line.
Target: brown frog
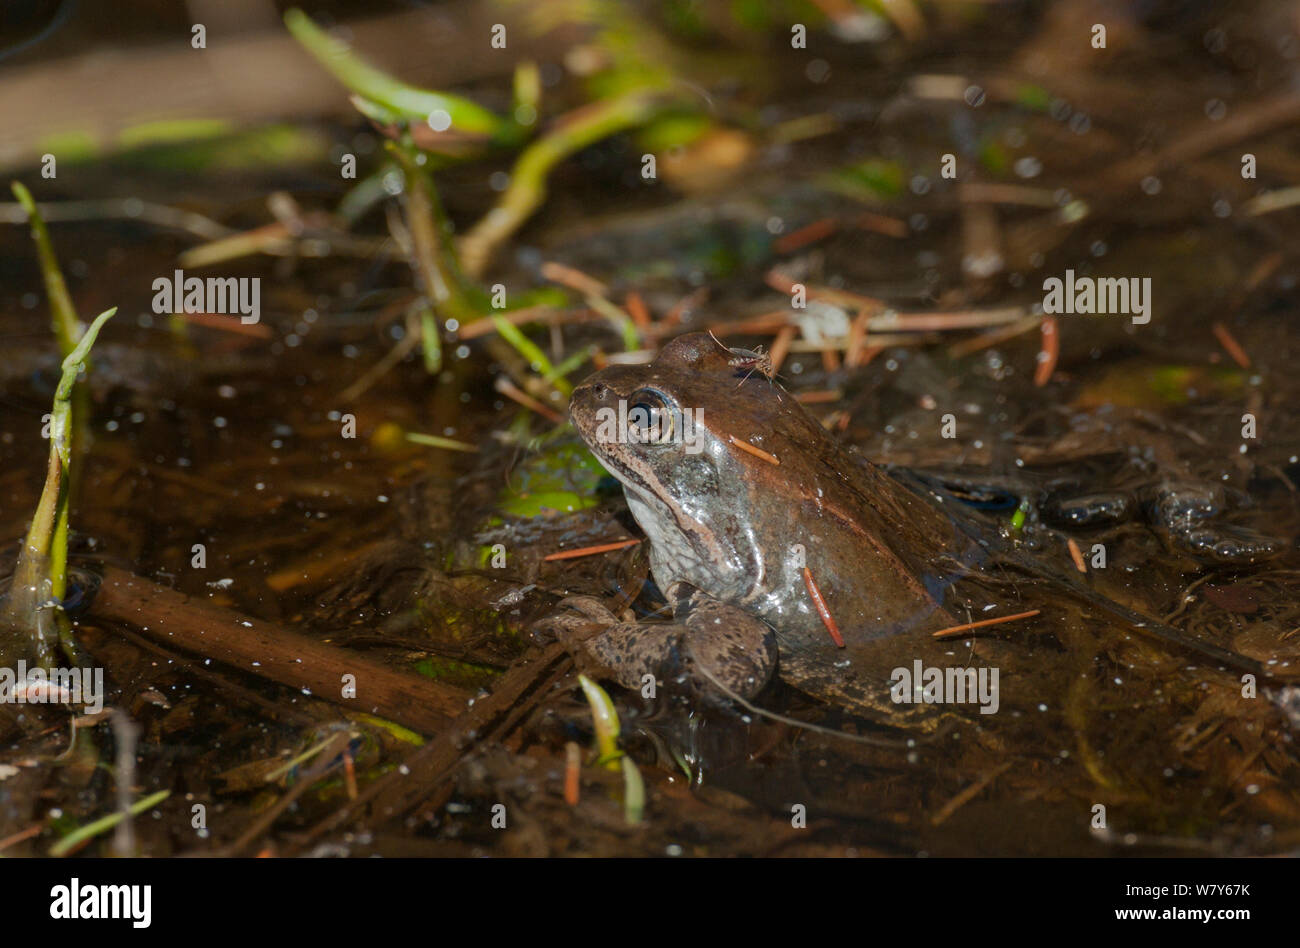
(779, 550)
(782, 553)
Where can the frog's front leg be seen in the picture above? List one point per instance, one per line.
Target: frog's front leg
(707, 643)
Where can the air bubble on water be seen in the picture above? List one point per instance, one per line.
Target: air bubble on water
(1027, 167)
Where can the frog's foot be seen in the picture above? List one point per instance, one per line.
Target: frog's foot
(579, 618)
(708, 644)
(726, 647)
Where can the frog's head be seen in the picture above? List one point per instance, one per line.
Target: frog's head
(667, 431)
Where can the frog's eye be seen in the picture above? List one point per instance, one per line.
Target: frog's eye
(649, 417)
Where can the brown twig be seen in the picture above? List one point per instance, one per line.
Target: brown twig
(276, 653)
(424, 772)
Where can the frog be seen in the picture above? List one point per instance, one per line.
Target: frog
(781, 554)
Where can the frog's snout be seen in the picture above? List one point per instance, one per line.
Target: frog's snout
(588, 396)
(586, 401)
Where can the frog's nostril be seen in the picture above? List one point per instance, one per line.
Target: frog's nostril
(598, 390)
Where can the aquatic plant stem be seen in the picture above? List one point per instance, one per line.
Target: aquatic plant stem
(527, 189)
(67, 327)
(105, 823)
(528, 349)
(410, 102)
(433, 252)
(28, 626)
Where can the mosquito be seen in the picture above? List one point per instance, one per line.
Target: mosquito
(755, 360)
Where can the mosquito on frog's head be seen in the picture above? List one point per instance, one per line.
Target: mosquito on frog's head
(755, 360)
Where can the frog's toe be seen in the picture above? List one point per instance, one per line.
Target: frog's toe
(577, 619)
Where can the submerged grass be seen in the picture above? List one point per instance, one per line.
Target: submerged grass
(32, 619)
(67, 327)
(430, 129)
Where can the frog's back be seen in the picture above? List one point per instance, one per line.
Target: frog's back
(881, 558)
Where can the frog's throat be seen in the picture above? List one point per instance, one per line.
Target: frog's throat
(681, 546)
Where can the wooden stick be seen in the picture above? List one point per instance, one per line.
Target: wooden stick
(422, 778)
(273, 652)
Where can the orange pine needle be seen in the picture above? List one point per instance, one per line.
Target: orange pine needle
(516, 317)
(750, 449)
(21, 835)
(827, 619)
(685, 305)
(1230, 344)
(513, 392)
(227, 324)
(1077, 555)
(573, 278)
(880, 224)
(781, 346)
(350, 774)
(821, 397)
(798, 239)
(636, 308)
(589, 550)
(572, 772)
(1051, 351)
(957, 629)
